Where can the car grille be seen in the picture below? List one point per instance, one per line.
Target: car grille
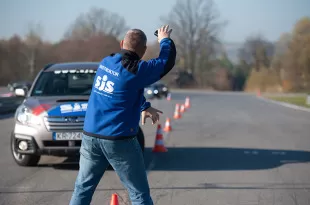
(64, 123)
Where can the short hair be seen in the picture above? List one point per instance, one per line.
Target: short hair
(135, 39)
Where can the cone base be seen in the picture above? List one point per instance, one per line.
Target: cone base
(160, 149)
(177, 115)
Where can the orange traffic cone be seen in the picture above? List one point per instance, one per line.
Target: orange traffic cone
(169, 97)
(258, 93)
(114, 200)
(177, 114)
(159, 141)
(187, 103)
(182, 109)
(167, 125)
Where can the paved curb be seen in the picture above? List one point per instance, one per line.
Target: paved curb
(288, 105)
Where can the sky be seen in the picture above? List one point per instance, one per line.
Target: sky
(270, 18)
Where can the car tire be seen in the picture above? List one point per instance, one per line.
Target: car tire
(23, 159)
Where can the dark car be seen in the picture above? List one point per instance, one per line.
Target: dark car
(50, 119)
(156, 90)
(9, 104)
(20, 84)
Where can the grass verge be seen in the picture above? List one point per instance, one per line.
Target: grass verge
(296, 100)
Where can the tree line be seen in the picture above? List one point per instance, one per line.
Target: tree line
(202, 60)
(283, 65)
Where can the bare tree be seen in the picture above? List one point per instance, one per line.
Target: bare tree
(257, 52)
(33, 42)
(97, 20)
(195, 26)
(282, 45)
(281, 48)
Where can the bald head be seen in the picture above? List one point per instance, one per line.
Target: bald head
(135, 40)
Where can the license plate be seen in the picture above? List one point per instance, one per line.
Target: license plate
(68, 136)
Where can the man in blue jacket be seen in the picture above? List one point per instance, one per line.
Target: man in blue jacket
(113, 114)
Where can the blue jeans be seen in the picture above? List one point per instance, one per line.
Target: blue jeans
(125, 156)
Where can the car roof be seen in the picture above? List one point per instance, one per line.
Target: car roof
(72, 66)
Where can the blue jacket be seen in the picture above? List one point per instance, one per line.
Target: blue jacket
(117, 98)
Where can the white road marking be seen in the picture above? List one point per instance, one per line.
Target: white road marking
(284, 104)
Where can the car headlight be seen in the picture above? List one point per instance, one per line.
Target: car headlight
(165, 89)
(25, 116)
(149, 92)
(155, 91)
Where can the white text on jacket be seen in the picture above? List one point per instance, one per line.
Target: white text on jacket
(103, 84)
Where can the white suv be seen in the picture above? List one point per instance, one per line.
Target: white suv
(50, 119)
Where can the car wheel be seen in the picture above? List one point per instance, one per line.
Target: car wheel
(22, 159)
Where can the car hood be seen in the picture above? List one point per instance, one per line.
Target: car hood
(58, 106)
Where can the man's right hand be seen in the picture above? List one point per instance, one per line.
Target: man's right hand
(150, 113)
(164, 32)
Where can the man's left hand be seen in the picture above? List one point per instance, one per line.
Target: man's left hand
(151, 113)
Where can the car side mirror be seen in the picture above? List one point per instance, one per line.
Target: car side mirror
(20, 92)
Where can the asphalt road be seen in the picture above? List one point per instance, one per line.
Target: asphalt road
(226, 149)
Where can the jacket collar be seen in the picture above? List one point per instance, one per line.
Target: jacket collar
(129, 54)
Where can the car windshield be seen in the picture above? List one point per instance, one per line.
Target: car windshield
(60, 83)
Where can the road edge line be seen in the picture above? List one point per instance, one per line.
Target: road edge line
(284, 104)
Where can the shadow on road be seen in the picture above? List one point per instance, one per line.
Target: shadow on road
(224, 159)
(212, 159)
(213, 186)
